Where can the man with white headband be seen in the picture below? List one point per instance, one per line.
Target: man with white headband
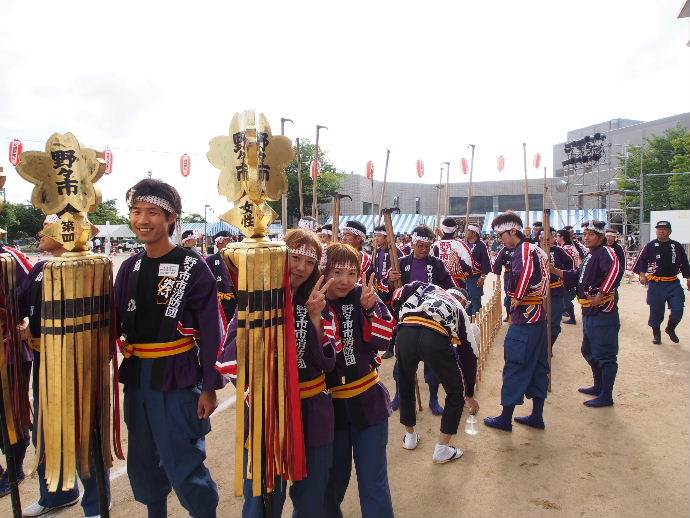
(475, 273)
(227, 295)
(354, 234)
(454, 254)
(526, 369)
(308, 223)
(325, 237)
(167, 314)
(612, 241)
(421, 266)
(596, 282)
(382, 263)
(658, 265)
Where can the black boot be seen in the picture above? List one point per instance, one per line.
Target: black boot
(605, 397)
(595, 389)
(656, 331)
(671, 331)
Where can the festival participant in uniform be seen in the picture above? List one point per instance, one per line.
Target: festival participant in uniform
(480, 267)
(31, 295)
(421, 266)
(325, 236)
(559, 293)
(308, 223)
(526, 368)
(430, 321)
(406, 247)
(354, 234)
(658, 265)
(537, 227)
(596, 293)
(502, 262)
(22, 268)
(454, 255)
(227, 295)
(382, 264)
(564, 239)
(612, 241)
(361, 325)
(167, 313)
(188, 240)
(315, 356)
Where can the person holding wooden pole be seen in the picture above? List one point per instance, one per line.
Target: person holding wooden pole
(526, 369)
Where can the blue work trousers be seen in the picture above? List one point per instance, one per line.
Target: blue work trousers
(368, 447)
(89, 501)
(526, 368)
(475, 293)
(600, 341)
(556, 317)
(661, 293)
(167, 449)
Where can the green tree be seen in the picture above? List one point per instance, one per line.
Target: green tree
(22, 220)
(107, 211)
(193, 218)
(329, 181)
(665, 153)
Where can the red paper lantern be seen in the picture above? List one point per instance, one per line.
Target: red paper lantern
(370, 170)
(464, 166)
(537, 160)
(314, 169)
(420, 168)
(500, 163)
(185, 165)
(16, 148)
(108, 157)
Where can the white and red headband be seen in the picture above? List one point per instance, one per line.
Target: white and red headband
(355, 231)
(508, 225)
(346, 265)
(474, 228)
(589, 225)
(155, 200)
(306, 251)
(448, 230)
(416, 238)
(380, 233)
(308, 224)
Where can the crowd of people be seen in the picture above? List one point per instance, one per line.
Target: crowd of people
(353, 309)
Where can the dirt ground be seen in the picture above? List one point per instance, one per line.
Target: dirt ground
(628, 460)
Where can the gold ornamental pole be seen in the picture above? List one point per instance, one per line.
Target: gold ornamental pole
(252, 162)
(76, 328)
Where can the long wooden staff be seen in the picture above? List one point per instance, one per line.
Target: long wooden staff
(546, 246)
(469, 192)
(315, 201)
(447, 205)
(299, 179)
(283, 207)
(383, 188)
(524, 162)
(438, 199)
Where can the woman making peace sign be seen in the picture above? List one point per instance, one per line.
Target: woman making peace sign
(361, 326)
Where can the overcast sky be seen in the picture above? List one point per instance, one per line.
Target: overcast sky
(424, 79)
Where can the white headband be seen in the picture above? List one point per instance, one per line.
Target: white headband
(611, 233)
(345, 266)
(448, 230)
(306, 251)
(308, 224)
(588, 225)
(220, 238)
(155, 200)
(474, 228)
(510, 225)
(380, 233)
(354, 231)
(416, 238)
(326, 231)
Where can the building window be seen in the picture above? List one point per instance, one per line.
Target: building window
(366, 208)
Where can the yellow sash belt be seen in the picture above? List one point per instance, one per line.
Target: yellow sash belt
(158, 350)
(313, 387)
(656, 278)
(357, 387)
(532, 301)
(556, 284)
(426, 322)
(587, 303)
(226, 296)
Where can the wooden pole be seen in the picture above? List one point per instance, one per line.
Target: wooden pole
(469, 191)
(299, 180)
(283, 207)
(383, 188)
(524, 161)
(447, 188)
(546, 246)
(438, 199)
(315, 201)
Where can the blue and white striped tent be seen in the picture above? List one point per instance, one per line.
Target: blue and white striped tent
(212, 227)
(559, 219)
(402, 223)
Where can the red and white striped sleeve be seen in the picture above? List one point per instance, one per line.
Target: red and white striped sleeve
(612, 269)
(526, 272)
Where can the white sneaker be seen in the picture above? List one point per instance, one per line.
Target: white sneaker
(445, 453)
(37, 509)
(410, 440)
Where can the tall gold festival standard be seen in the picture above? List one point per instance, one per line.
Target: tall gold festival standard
(252, 162)
(76, 324)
